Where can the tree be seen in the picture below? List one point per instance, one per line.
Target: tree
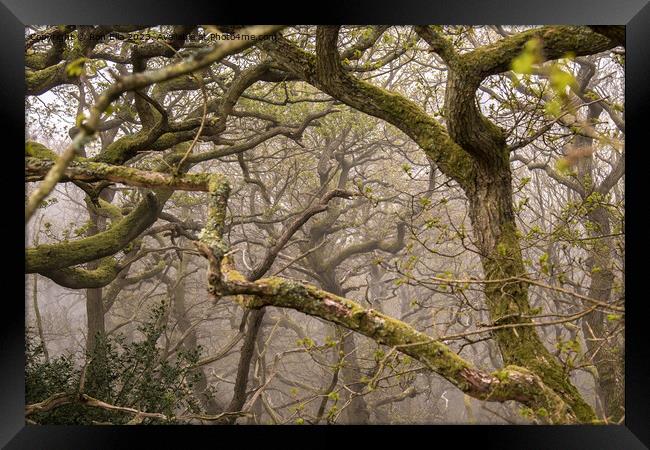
(325, 153)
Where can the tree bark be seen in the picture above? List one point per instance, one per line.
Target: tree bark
(493, 220)
(357, 412)
(179, 310)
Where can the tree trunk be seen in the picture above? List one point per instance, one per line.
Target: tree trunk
(94, 303)
(356, 413)
(493, 220)
(254, 322)
(98, 380)
(607, 358)
(95, 317)
(200, 386)
(37, 311)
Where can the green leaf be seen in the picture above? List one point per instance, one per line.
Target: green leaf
(553, 108)
(560, 79)
(563, 166)
(79, 119)
(543, 263)
(308, 343)
(531, 55)
(76, 67)
(523, 63)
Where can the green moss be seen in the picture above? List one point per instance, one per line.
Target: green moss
(46, 258)
(79, 278)
(110, 209)
(38, 150)
(36, 60)
(169, 140)
(501, 375)
(511, 383)
(39, 81)
(521, 346)
(419, 126)
(219, 190)
(123, 149)
(83, 169)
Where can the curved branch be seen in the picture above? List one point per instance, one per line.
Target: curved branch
(465, 122)
(78, 278)
(272, 252)
(612, 178)
(438, 44)
(510, 383)
(134, 82)
(550, 172)
(326, 73)
(36, 169)
(556, 42)
(364, 42)
(49, 257)
(386, 245)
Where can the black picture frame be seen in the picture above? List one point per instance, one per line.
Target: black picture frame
(635, 14)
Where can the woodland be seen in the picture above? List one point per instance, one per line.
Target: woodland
(324, 224)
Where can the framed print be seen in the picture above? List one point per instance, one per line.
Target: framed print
(396, 220)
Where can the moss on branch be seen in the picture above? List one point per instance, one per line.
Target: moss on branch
(79, 278)
(41, 81)
(325, 73)
(557, 41)
(511, 383)
(49, 257)
(37, 150)
(36, 168)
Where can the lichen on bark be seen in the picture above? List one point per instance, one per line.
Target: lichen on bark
(49, 257)
(511, 383)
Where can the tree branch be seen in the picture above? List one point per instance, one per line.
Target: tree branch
(84, 170)
(510, 383)
(298, 222)
(49, 257)
(325, 72)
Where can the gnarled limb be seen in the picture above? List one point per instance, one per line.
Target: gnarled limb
(133, 83)
(510, 383)
(272, 252)
(465, 122)
(79, 278)
(556, 42)
(49, 257)
(326, 73)
(36, 169)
